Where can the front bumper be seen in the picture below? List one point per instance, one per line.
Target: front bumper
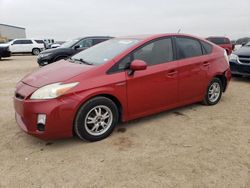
(239, 69)
(42, 61)
(5, 53)
(59, 115)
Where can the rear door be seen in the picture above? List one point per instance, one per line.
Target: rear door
(27, 45)
(193, 67)
(155, 88)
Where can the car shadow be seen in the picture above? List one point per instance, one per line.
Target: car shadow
(241, 79)
(123, 127)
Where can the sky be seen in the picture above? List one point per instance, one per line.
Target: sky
(67, 19)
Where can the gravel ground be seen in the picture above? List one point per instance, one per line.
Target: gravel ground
(193, 146)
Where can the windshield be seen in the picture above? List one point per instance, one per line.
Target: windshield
(68, 44)
(248, 44)
(105, 51)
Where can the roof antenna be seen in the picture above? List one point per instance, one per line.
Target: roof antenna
(179, 30)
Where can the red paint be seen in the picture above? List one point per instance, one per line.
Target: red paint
(157, 88)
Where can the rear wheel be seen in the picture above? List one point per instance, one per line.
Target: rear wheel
(96, 119)
(214, 92)
(35, 51)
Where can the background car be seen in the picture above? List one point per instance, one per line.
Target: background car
(223, 42)
(55, 45)
(34, 46)
(4, 52)
(240, 61)
(68, 49)
(119, 80)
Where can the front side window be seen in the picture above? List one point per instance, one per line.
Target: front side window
(188, 47)
(17, 42)
(70, 43)
(86, 43)
(156, 52)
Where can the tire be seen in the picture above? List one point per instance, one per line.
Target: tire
(215, 88)
(236, 75)
(93, 124)
(35, 51)
(60, 58)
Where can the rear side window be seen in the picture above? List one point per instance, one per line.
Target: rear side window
(156, 52)
(219, 40)
(96, 41)
(27, 42)
(207, 48)
(188, 47)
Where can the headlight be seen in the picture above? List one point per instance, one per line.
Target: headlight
(44, 55)
(234, 57)
(52, 91)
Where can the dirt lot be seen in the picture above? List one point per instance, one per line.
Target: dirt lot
(194, 146)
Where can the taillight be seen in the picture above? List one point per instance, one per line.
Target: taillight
(226, 56)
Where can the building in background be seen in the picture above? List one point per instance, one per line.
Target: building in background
(9, 32)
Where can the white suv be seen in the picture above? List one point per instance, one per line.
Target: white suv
(26, 45)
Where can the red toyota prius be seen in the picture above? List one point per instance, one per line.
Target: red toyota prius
(119, 80)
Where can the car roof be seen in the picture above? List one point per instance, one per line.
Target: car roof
(153, 36)
(94, 37)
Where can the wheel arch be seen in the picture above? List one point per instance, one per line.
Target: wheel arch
(108, 96)
(223, 80)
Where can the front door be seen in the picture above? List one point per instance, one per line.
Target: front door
(156, 88)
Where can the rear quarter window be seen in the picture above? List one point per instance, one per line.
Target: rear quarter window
(39, 41)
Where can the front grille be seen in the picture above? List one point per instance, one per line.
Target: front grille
(19, 96)
(244, 59)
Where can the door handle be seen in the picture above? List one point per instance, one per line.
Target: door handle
(206, 64)
(172, 73)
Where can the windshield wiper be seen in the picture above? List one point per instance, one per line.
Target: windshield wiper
(81, 61)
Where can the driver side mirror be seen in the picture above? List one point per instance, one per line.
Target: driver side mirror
(76, 47)
(137, 65)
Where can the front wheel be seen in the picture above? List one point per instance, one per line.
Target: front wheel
(213, 93)
(96, 119)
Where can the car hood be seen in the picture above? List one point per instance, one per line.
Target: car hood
(55, 50)
(4, 45)
(60, 71)
(243, 51)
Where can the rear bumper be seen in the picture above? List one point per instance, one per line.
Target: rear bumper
(228, 76)
(239, 69)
